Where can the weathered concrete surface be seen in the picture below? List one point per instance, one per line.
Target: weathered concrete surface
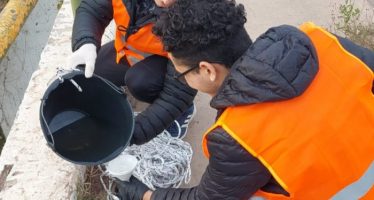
(37, 172)
(371, 2)
(22, 57)
(264, 14)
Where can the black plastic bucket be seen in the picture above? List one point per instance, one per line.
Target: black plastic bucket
(87, 121)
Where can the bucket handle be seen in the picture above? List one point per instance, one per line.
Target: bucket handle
(114, 87)
(61, 71)
(51, 142)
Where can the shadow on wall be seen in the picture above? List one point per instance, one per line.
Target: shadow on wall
(2, 139)
(2, 4)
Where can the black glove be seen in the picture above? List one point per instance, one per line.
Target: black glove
(132, 190)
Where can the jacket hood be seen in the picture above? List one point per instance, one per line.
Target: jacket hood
(279, 65)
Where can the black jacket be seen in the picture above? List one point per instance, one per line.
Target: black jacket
(279, 65)
(92, 17)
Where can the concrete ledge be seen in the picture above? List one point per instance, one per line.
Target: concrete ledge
(35, 171)
(22, 58)
(11, 20)
(29, 169)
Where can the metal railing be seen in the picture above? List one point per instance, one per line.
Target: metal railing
(12, 17)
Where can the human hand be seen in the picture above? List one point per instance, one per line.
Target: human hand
(86, 54)
(131, 190)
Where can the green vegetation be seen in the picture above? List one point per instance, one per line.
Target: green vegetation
(355, 24)
(59, 4)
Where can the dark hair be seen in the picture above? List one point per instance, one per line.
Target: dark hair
(204, 30)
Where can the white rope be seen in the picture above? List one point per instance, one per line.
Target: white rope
(164, 162)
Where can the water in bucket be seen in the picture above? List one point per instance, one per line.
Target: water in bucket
(90, 126)
(82, 137)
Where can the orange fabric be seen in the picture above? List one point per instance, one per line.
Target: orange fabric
(369, 195)
(316, 144)
(143, 40)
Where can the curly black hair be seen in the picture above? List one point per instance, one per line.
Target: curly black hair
(209, 30)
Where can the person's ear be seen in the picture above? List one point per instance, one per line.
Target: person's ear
(208, 70)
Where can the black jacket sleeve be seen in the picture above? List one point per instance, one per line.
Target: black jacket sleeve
(174, 98)
(364, 54)
(232, 173)
(92, 17)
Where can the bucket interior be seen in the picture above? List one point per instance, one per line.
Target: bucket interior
(88, 127)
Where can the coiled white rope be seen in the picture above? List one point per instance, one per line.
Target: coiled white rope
(164, 162)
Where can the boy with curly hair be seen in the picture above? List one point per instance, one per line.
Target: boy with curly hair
(295, 108)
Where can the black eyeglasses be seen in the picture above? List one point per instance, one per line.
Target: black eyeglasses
(180, 77)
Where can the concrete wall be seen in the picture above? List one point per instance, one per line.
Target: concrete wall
(30, 169)
(35, 172)
(23, 57)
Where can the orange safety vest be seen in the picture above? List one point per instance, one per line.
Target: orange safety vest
(319, 145)
(138, 45)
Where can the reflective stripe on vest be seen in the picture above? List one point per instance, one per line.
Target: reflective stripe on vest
(319, 144)
(257, 198)
(133, 55)
(143, 40)
(359, 188)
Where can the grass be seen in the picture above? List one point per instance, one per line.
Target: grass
(90, 188)
(354, 23)
(59, 4)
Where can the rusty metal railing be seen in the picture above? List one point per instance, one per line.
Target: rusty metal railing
(12, 17)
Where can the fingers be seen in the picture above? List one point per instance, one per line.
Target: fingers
(90, 67)
(90, 59)
(86, 55)
(74, 61)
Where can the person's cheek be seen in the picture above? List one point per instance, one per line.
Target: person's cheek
(159, 3)
(168, 3)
